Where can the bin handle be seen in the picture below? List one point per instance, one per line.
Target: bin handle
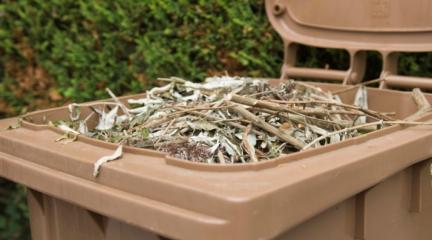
(353, 75)
(390, 77)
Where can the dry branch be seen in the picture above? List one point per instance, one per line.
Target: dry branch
(269, 128)
(423, 105)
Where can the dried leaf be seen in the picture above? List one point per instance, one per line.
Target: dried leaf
(67, 138)
(202, 125)
(14, 126)
(252, 139)
(116, 155)
(214, 148)
(194, 97)
(213, 83)
(107, 120)
(231, 148)
(121, 119)
(83, 128)
(202, 138)
(335, 138)
(119, 103)
(67, 129)
(74, 111)
(361, 100)
(247, 145)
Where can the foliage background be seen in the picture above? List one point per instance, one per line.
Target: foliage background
(59, 51)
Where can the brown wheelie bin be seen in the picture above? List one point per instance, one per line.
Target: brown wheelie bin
(374, 187)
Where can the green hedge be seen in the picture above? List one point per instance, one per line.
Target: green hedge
(58, 51)
(13, 212)
(79, 47)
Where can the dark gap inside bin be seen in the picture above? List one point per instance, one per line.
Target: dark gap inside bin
(417, 64)
(374, 64)
(327, 58)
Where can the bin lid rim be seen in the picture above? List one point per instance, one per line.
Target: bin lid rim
(379, 25)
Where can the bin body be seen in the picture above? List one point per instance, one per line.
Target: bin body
(55, 219)
(398, 208)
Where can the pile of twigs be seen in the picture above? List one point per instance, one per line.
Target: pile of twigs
(229, 120)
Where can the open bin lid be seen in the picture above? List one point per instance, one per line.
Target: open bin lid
(386, 26)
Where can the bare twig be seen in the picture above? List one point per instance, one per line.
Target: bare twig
(316, 140)
(371, 113)
(219, 121)
(221, 157)
(422, 103)
(420, 99)
(122, 106)
(361, 126)
(269, 128)
(248, 147)
(357, 85)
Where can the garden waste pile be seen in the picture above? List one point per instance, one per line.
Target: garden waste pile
(228, 120)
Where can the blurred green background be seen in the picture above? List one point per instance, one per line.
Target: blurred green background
(59, 51)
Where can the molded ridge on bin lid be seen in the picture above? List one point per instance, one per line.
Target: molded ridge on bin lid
(382, 25)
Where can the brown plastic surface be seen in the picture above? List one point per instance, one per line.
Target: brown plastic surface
(386, 26)
(373, 187)
(334, 190)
